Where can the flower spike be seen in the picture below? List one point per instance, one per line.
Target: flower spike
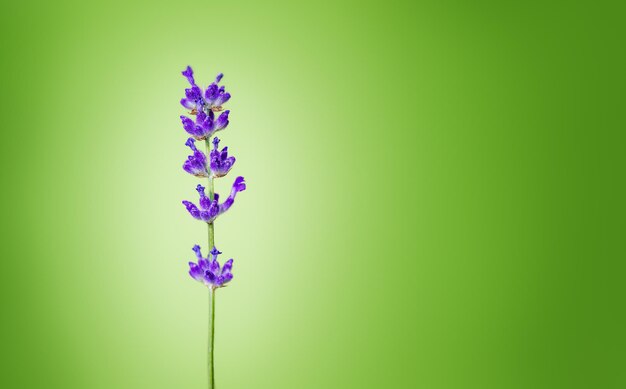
(209, 117)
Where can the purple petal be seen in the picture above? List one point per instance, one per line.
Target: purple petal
(205, 124)
(222, 120)
(195, 167)
(190, 127)
(203, 264)
(214, 210)
(218, 78)
(209, 277)
(196, 163)
(194, 94)
(195, 271)
(192, 209)
(200, 118)
(205, 216)
(220, 164)
(215, 252)
(205, 201)
(185, 102)
(228, 266)
(188, 124)
(188, 167)
(200, 157)
(191, 143)
(188, 73)
(196, 249)
(211, 93)
(239, 184)
(222, 98)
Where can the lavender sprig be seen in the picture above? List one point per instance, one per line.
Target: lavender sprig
(213, 163)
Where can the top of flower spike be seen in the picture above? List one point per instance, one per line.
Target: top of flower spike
(197, 100)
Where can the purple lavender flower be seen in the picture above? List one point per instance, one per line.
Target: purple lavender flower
(205, 125)
(202, 128)
(193, 99)
(216, 96)
(222, 121)
(196, 163)
(220, 163)
(208, 270)
(210, 210)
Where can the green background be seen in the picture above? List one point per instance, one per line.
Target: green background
(435, 195)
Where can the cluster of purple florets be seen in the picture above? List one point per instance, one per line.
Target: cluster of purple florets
(204, 105)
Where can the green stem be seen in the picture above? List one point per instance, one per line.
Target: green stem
(211, 190)
(211, 290)
(211, 336)
(211, 236)
(207, 143)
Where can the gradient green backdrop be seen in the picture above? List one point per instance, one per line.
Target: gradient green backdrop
(434, 195)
